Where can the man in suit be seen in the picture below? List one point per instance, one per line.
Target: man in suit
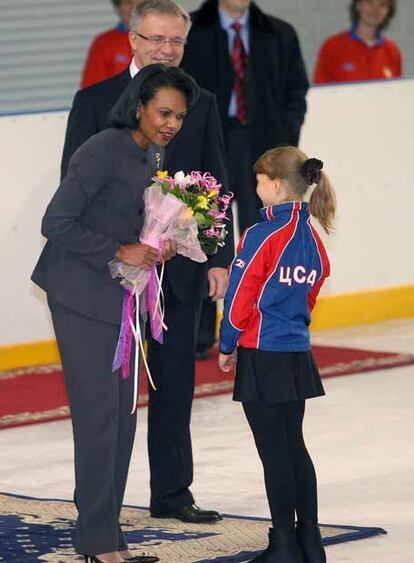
(253, 63)
(158, 32)
(259, 79)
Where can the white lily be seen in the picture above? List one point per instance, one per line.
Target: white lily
(179, 177)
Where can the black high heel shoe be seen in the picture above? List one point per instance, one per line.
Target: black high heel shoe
(136, 559)
(142, 559)
(92, 559)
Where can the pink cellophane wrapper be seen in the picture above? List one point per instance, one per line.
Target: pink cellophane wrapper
(166, 217)
(160, 212)
(184, 231)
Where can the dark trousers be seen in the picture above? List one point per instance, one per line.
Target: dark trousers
(206, 325)
(290, 477)
(241, 176)
(243, 185)
(169, 412)
(103, 427)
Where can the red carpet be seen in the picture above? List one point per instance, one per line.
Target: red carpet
(31, 395)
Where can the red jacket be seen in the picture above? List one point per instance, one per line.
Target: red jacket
(346, 58)
(109, 54)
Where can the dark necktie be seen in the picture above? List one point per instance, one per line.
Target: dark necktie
(238, 55)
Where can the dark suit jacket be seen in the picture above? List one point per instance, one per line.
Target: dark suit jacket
(97, 207)
(276, 75)
(198, 146)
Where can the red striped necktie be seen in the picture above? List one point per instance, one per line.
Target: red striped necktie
(238, 56)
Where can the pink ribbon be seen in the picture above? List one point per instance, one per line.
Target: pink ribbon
(123, 349)
(150, 305)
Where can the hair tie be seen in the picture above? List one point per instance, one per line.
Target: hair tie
(311, 171)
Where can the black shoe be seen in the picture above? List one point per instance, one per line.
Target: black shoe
(193, 514)
(310, 541)
(92, 559)
(283, 548)
(142, 559)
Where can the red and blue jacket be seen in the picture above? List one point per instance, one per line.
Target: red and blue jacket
(280, 266)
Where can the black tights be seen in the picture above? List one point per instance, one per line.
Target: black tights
(290, 477)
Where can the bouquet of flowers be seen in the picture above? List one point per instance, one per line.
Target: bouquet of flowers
(185, 208)
(205, 210)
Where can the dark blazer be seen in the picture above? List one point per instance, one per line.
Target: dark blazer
(276, 75)
(97, 207)
(198, 146)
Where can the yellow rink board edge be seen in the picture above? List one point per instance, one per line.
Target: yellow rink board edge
(331, 311)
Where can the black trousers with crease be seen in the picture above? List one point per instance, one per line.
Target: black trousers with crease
(103, 428)
(169, 411)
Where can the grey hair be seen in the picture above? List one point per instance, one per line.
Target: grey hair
(170, 7)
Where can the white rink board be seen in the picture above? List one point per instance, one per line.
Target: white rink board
(364, 133)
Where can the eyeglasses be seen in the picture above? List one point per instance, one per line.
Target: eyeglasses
(159, 40)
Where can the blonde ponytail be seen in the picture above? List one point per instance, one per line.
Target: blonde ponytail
(322, 204)
(301, 172)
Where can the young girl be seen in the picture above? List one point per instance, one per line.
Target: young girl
(275, 278)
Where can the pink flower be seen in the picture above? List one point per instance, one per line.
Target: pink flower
(210, 182)
(211, 232)
(225, 200)
(217, 214)
(171, 182)
(196, 177)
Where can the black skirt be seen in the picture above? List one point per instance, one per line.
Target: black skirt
(275, 377)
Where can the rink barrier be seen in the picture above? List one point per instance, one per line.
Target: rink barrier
(331, 311)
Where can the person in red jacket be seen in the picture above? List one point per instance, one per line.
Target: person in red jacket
(110, 52)
(363, 52)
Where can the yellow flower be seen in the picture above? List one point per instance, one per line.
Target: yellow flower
(202, 202)
(213, 193)
(162, 174)
(187, 213)
(185, 217)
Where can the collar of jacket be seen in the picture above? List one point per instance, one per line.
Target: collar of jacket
(208, 15)
(276, 211)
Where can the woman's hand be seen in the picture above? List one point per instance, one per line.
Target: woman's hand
(227, 362)
(168, 250)
(138, 254)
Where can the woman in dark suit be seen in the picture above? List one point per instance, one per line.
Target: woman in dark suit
(95, 215)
